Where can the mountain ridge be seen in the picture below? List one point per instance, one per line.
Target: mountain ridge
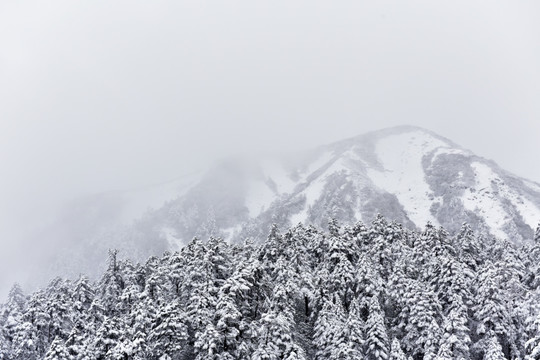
(407, 174)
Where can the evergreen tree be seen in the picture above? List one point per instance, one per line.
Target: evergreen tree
(493, 350)
(396, 353)
(275, 330)
(79, 342)
(140, 320)
(11, 315)
(5, 351)
(57, 351)
(108, 336)
(25, 342)
(533, 343)
(354, 327)
(377, 344)
(36, 327)
(422, 330)
(445, 352)
(83, 294)
(201, 288)
(491, 307)
(111, 284)
(330, 321)
(451, 279)
(455, 332)
(58, 307)
(169, 332)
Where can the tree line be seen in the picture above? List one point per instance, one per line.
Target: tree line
(376, 291)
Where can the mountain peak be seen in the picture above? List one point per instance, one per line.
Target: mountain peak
(406, 173)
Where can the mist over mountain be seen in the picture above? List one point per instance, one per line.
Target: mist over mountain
(408, 174)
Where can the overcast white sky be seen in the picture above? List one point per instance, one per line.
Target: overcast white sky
(99, 95)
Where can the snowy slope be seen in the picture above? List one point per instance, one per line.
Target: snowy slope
(408, 174)
(403, 175)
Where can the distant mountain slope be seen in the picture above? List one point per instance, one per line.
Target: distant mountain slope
(406, 173)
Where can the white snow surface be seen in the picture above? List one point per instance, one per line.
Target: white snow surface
(312, 193)
(485, 201)
(314, 189)
(401, 158)
(482, 201)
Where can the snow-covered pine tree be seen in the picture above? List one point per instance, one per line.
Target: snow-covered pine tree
(493, 349)
(220, 257)
(59, 305)
(368, 280)
(57, 351)
(80, 340)
(11, 316)
(532, 345)
(25, 342)
(111, 284)
(83, 294)
(342, 278)
(451, 279)
(329, 322)
(139, 324)
(355, 329)
(276, 339)
(422, 331)
(455, 332)
(444, 353)
(380, 237)
(5, 348)
(491, 306)
(108, 336)
(201, 289)
(377, 346)
(168, 334)
(36, 325)
(297, 269)
(396, 353)
(468, 247)
(226, 333)
(537, 234)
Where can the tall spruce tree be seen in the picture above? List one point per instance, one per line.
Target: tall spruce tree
(377, 346)
(396, 353)
(493, 349)
(57, 351)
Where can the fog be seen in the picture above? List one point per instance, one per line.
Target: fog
(98, 95)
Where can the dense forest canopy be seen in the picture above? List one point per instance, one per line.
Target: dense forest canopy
(358, 291)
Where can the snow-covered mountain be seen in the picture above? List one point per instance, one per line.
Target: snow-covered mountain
(405, 173)
(408, 174)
